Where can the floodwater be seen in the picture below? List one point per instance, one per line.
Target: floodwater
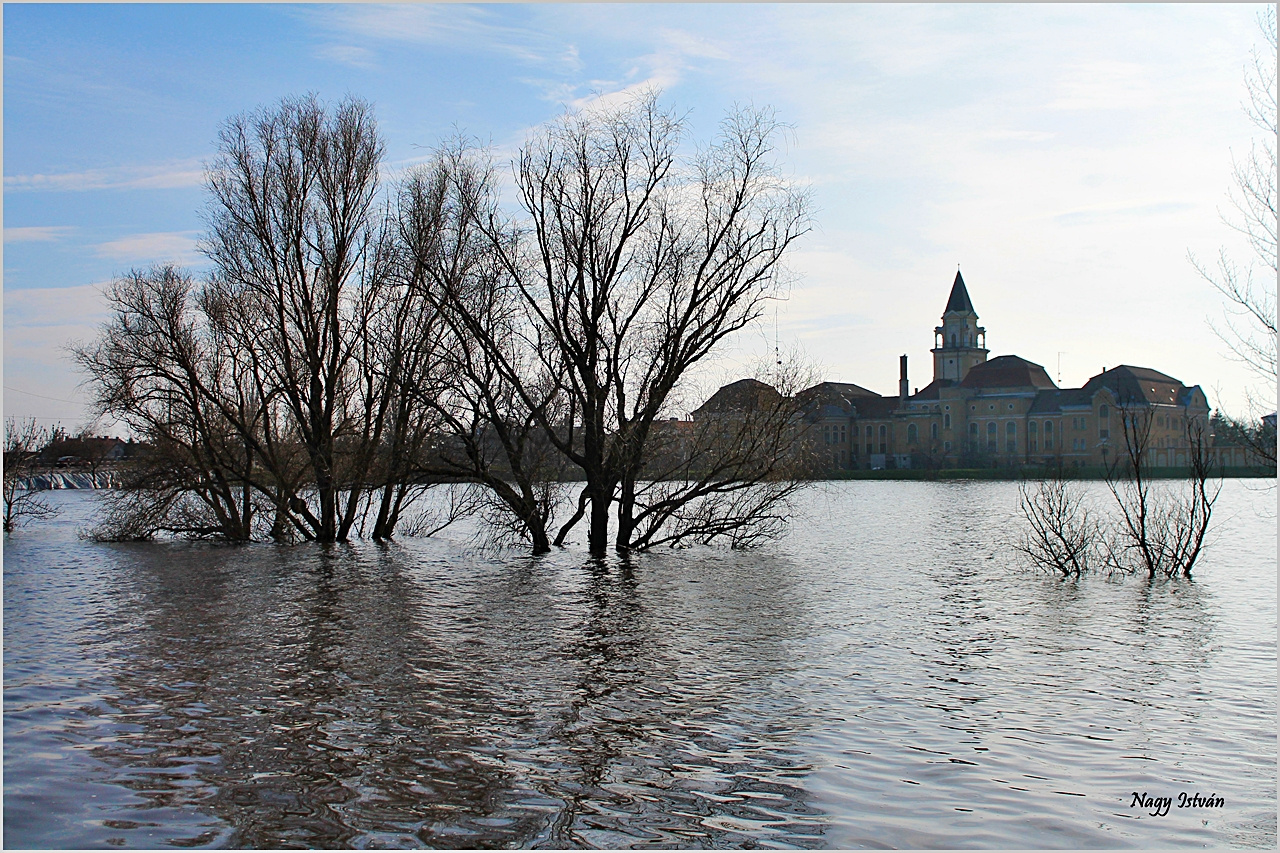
(888, 675)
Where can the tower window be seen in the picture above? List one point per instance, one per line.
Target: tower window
(946, 421)
(953, 339)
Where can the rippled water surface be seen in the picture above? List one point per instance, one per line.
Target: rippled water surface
(887, 675)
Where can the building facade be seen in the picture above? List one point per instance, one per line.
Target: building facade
(1000, 412)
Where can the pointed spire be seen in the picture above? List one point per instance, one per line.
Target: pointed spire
(959, 300)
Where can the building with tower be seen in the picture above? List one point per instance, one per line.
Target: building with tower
(1001, 412)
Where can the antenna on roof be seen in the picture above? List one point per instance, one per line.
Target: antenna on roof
(777, 353)
(1060, 355)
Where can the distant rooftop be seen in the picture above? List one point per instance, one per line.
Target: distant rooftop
(1007, 371)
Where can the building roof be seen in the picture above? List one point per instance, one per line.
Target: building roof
(959, 301)
(876, 407)
(743, 395)
(1007, 371)
(930, 391)
(1053, 400)
(1132, 384)
(832, 399)
(834, 392)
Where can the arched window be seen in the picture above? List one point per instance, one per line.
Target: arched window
(991, 436)
(1011, 427)
(868, 430)
(953, 340)
(1011, 437)
(1048, 427)
(1103, 411)
(991, 428)
(1031, 428)
(884, 430)
(913, 434)
(933, 431)
(946, 421)
(973, 430)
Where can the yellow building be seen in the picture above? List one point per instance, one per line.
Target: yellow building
(1000, 412)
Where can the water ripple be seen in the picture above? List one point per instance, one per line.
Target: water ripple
(887, 676)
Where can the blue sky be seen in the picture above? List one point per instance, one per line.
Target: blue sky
(1067, 157)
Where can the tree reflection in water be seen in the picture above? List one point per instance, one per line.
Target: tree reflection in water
(353, 696)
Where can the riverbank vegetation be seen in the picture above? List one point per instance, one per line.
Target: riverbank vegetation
(1151, 527)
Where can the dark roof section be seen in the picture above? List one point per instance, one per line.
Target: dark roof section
(832, 399)
(829, 392)
(740, 396)
(876, 407)
(1132, 384)
(1050, 402)
(930, 391)
(959, 302)
(1007, 371)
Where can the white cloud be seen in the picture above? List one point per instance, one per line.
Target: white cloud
(1104, 85)
(176, 174)
(347, 54)
(39, 326)
(164, 246)
(37, 234)
(454, 25)
(41, 307)
(663, 69)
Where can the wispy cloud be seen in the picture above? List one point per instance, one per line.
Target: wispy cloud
(175, 174)
(450, 24)
(172, 246)
(81, 307)
(37, 233)
(676, 53)
(348, 54)
(1102, 215)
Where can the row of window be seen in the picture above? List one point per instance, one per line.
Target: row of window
(837, 434)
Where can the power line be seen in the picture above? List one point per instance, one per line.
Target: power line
(43, 397)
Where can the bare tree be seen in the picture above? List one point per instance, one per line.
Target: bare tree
(634, 264)
(1161, 526)
(300, 267)
(1250, 330)
(1062, 534)
(23, 441)
(730, 472)
(158, 367)
(502, 389)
